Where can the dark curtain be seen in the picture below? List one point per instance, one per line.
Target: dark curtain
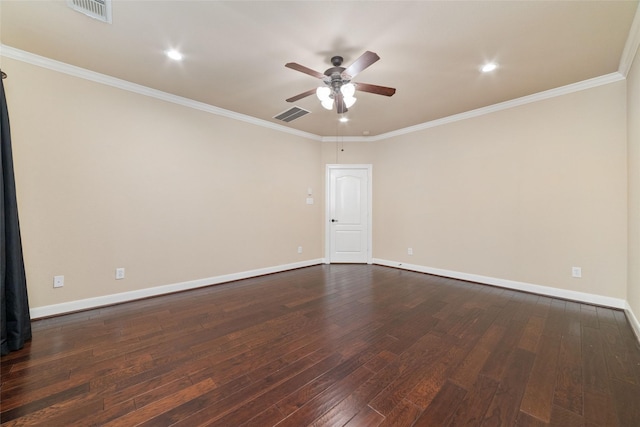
(15, 319)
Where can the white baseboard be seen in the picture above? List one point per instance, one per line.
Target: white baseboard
(89, 303)
(511, 284)
(633, 320)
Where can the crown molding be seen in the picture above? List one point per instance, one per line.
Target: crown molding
(552, 93)
(631, 46)
(72, 70)
(83, 73)
(346, 138)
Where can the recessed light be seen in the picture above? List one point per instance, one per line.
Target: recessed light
(488, 67)
(344, 119)
(174, 54)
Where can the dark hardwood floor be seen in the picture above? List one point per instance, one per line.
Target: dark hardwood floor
(337, 345)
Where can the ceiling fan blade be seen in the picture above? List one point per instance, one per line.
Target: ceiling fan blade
(340, 105)
(302, 95)
(378, 90)
(303, 69)
(360, 64)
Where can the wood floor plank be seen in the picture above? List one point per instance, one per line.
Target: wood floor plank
(262, 402)
(411, 366)
(432, 382)
(599, 409)
(357, 401)
(573, 318)
(300, 396)
(555, 322)
(323, 402)
(629, 340)
(162, 391)
(443, 406)
(159, 407)
(588, 316)
(504, 407)
(617, 354)
(403, 414)
(606, 315)
(59, 414)
(329, 345)
(494, 367)
(269, 417)
(19, 411)
(526, 420)
(594, 367)
(473, 407)
(106, 415)
(367, 417)
(538, 394)
(467, 373)
(561, 417)
(568, 393)
(211, 406)
(531, 334)
(626, 402)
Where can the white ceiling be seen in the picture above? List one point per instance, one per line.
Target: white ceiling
(430, 51)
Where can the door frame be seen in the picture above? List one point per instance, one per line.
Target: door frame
(327, 205)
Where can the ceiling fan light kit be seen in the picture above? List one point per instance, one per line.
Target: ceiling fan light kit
(348, 102)
(323, 92)
(348, 90)
(326, 95)
(327, 103)
(338, 88)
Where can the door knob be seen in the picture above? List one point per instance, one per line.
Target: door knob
(334, 220)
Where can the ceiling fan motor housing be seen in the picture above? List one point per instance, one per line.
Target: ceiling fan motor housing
(335, 74)
(337, 81)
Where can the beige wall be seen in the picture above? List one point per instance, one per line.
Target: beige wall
(107, 178)
(633, 129)
(522, 194)
(349, 152)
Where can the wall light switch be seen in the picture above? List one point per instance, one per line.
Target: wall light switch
(309, 200)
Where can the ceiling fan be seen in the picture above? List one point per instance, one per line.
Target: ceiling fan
(338, 87)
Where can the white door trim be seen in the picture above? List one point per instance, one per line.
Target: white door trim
(327, 205)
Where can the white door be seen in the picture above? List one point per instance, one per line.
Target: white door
(348, 214)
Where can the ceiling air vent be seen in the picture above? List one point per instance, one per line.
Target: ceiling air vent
(98, 9)
(291, 114)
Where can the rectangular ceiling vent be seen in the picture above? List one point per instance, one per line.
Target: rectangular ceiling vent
(98, 9)
(291, 114)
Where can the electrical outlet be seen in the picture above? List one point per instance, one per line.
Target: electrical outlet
(409, 251)
(58, 281)
(576, 272)
(299, 249)
(119, 273)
